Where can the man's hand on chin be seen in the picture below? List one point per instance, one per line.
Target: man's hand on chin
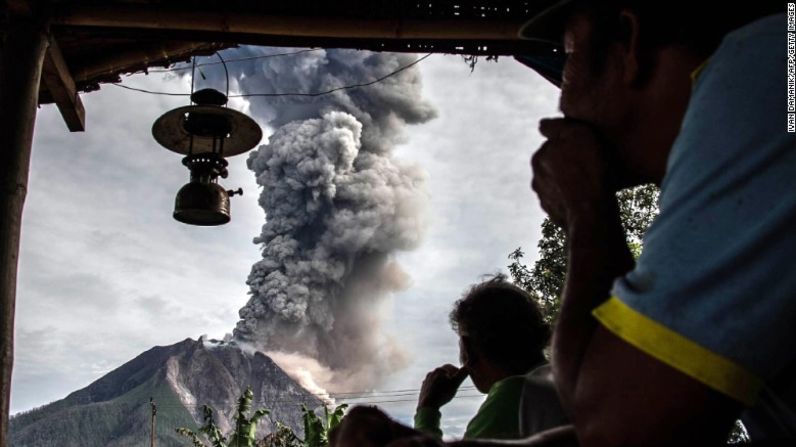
(570, 170)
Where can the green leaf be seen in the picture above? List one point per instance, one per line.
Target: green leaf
(336, 417)
(314, 433)
(190, 435)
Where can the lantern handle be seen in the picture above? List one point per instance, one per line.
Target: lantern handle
(193, 72)
(226, 71)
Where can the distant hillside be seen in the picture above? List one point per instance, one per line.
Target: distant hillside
(114, 411)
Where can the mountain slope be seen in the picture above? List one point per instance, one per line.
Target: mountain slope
(114, 411)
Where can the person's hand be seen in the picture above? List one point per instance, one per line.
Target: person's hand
(440, 385)
(569, 169)
(368, 427)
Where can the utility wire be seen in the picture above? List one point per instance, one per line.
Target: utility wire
(345, 87)
(361, 401)
(304, 400)
(361, 397)
(298, 401)
(374, 392)
(379, 393)
(311, 94)
(149, 91)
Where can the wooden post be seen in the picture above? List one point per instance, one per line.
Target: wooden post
(21, 56)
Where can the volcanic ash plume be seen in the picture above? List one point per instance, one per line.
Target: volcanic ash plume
(338, 205)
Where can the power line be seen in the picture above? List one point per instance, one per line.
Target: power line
(414, 400)
(363, 394)
(311, 94)
(375, 392)
(358, 397)
(298, 401)
(346, 87)
(149, 91)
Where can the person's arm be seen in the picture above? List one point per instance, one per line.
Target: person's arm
(617, 395)
(597, 254)
(570, 179)
(624, 397)
(428, 420)
(438, 388)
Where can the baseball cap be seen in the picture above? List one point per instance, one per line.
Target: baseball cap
(546, 29)
(548, 25)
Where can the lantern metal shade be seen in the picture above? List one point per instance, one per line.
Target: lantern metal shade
(203, 204)
(170, 131)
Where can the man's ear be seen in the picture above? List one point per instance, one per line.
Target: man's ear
(630, 46)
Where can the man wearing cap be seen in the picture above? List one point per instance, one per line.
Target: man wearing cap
(671, 349)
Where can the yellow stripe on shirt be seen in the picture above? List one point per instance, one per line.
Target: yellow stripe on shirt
(698, 71)
(677, 351)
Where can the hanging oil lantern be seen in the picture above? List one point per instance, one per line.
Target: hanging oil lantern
(206, 132)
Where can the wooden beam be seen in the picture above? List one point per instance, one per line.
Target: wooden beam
(255, 23)
(137, 59)
(59, 83)
(21, 58)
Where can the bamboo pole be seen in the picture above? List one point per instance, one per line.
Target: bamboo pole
(257, 23)
(21, 56)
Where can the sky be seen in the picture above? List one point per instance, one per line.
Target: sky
(105, 273)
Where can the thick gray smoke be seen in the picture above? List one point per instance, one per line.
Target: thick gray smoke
(338, 206)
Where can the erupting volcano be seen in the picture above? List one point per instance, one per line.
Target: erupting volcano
(338, 205)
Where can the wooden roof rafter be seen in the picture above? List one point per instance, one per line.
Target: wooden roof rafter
(59, 82)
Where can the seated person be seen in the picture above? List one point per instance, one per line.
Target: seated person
(501, 339)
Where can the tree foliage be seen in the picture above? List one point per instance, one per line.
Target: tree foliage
(282, 436)
(245, 426)
(545, 281)
(316, 429)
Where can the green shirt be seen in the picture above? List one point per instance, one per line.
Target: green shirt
(497, 418)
